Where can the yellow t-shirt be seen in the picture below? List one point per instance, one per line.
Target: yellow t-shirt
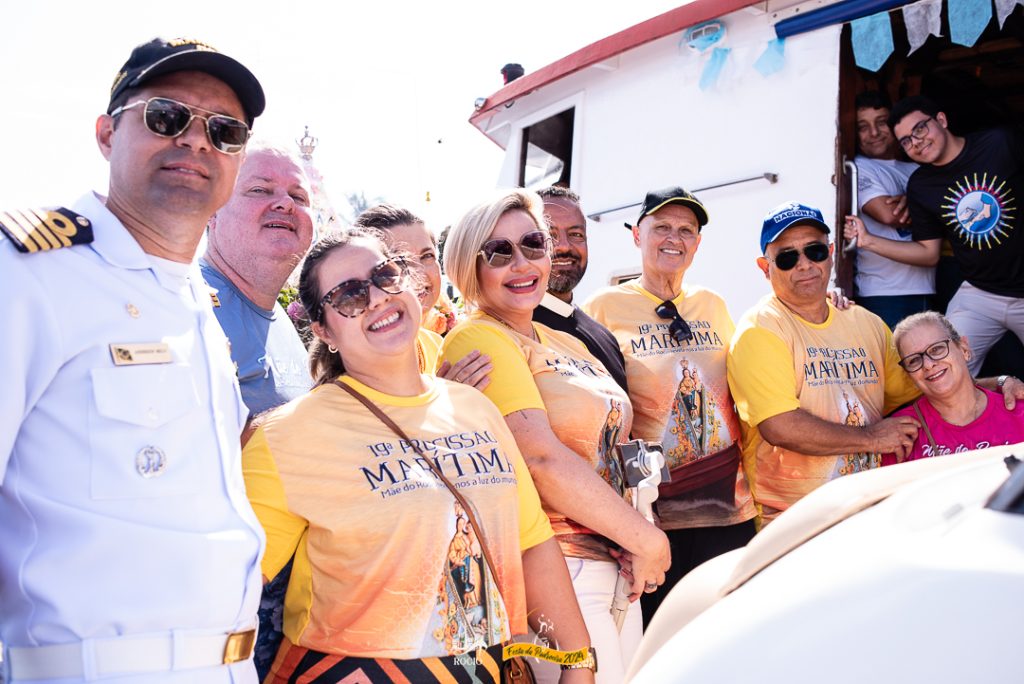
(845, 370)
(679, 391)
(588, 411)
(428, 350)
(386, 564)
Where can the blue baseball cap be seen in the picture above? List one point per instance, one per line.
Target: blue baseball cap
(786, 216)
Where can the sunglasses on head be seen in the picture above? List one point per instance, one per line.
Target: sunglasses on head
(169, 118)
(352, 297)
(787, 259)
(500, 252)
(678, 328)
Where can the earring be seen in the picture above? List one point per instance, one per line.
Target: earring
(332, 349)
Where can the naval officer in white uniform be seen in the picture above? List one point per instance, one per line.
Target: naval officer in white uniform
(128, 550)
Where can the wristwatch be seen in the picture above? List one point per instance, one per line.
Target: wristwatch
(589, 663)
(1001, 380)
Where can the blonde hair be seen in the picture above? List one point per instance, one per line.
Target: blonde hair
(918, 319)
(462, 247)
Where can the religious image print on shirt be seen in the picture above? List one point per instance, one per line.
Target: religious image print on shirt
(471, 615)
(855, 463)
(609, 464)
(695, 427)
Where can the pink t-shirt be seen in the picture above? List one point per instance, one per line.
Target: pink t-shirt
(995, 426)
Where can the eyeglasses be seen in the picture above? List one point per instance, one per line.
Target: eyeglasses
(352, 297)
(169, 118)
(787, 259)
(498, 253)
(917, 133)
(679, 328)
(936, 352)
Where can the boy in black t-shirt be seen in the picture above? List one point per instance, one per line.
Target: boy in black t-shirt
(967, 190)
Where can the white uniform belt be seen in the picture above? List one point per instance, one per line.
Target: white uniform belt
(135, 654)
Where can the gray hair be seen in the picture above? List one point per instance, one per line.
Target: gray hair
(923, 318)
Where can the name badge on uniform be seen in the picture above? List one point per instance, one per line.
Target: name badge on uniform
(140, 354)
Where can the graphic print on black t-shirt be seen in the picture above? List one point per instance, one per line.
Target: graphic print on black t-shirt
(980, 211)
(973, 202)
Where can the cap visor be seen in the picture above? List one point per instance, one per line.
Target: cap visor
(698, 209)
(232, 72)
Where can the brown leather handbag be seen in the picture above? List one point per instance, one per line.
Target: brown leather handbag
(720, 466)
(513, 670)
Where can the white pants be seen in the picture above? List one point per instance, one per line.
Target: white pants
(983, 317)
(594, 584)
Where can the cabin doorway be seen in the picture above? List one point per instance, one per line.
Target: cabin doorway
(978, 87)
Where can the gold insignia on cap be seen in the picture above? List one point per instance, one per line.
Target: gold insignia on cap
(40, 230)
(197, 44)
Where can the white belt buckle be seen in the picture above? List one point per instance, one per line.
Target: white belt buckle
(239, 646)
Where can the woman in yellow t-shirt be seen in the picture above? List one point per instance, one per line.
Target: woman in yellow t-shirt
(408, 232)
(390, 581)
(565, 410)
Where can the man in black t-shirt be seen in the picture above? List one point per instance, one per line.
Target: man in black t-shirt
(967, 191)
(568, 264)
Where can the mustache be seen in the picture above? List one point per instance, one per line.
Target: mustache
(565, 255)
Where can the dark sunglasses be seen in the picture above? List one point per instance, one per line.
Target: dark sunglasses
(499, 252)
(169, 118)
(787, 259)
(679, 328)
(352, 297)
(935, 352)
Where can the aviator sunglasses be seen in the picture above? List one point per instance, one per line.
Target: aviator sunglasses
(499, 252)
(678, 328)
(352, 297)
(787, 259)
(169, 118)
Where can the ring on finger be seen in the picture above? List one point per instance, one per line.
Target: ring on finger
(650, 587)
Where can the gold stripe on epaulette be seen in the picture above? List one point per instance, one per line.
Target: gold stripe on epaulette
(59, 225)
(21, 231)
(40, 229)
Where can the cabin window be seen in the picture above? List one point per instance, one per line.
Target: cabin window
(546, 154)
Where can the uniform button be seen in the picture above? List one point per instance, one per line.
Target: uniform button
(132, 310)
(150, 461)
(153, 414)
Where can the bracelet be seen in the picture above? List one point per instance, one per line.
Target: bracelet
(569, 660)
(588, 663)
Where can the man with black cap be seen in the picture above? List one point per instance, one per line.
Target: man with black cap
(811, 382)
(673, 336)
(128, 549)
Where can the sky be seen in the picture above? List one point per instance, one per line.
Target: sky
(386, 87)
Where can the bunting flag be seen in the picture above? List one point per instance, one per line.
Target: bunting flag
(713, 68)
(872, 40)
(924, 19)
(1004, 8)
(967, 20)
(774, 57)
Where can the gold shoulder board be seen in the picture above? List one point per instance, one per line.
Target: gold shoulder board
(40, 230)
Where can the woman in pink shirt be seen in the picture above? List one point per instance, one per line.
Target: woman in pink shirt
(956, 415)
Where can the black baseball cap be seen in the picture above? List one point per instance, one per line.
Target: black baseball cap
(656, 199)
(159, 57)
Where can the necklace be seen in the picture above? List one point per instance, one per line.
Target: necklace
(532, 335)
